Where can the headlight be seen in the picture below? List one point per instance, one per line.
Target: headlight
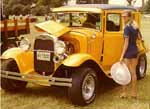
(60, 47)
(25, 44)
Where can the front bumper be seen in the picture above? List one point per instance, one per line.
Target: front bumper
(38, 79)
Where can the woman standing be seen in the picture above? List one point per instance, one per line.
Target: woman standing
(130, 51)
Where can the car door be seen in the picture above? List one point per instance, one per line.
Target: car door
(113, 38)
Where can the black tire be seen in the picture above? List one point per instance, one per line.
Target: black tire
(141, 67)
(79, 78)
(9, 84)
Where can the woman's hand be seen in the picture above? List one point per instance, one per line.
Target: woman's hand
(121, 60)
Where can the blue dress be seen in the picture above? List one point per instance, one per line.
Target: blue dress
(131, 33)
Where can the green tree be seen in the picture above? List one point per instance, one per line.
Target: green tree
(38, 11)
(5, 1)
(129, 2)
(12, 2)
(24, 6)
(93, 1)
(17, 9)
(6, 10)
(26, 10)
(147, 7)
(52, 3)
(25, 2)
(8, 5)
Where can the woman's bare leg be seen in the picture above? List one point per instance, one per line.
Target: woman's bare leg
(124, 87)
(134, 77)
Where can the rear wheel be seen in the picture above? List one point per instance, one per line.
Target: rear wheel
(9, 84)
(141, 67)
(84, 86)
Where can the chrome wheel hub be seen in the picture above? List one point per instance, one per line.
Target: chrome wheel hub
(142, 67)
(88, 87)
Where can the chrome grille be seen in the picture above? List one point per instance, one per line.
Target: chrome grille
(44, 44)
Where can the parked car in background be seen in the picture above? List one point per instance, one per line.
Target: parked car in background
(11, 30)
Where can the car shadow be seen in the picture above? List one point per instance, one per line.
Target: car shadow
(104, 87)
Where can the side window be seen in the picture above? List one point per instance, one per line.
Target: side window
(113, 22)
(92, 21)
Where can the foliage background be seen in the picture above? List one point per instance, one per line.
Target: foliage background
(147, 7)
(35, 7)
(41, 7)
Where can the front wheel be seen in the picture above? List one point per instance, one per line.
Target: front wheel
(9, 84)
(84, 86)
(141, 67)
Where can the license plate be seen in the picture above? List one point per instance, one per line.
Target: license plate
(43, 56)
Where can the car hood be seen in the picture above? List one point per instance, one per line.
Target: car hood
(52, 27)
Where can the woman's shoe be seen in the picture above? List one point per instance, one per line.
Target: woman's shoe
(134, 96)
(123, 95)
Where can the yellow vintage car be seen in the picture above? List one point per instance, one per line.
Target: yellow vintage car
(76, 49)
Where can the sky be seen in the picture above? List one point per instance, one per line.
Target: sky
(138, 3)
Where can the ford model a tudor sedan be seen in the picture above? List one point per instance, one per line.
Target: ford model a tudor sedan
(75, 49)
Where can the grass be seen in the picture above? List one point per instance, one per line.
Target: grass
(39, 97)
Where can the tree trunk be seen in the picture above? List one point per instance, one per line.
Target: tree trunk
(129, 2)
(143, 4)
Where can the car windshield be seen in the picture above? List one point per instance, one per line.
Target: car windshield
(76, 19)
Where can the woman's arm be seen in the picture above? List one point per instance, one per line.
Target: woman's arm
(125, 46)
(139, 34)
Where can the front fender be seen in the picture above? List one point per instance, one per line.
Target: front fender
(24, 59)
(76, 60)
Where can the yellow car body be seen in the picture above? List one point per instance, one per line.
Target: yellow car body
(89, 50)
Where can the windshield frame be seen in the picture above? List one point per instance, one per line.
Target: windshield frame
(99, 27)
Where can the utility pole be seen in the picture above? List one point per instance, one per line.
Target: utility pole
(143, 2)
(1, 3)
